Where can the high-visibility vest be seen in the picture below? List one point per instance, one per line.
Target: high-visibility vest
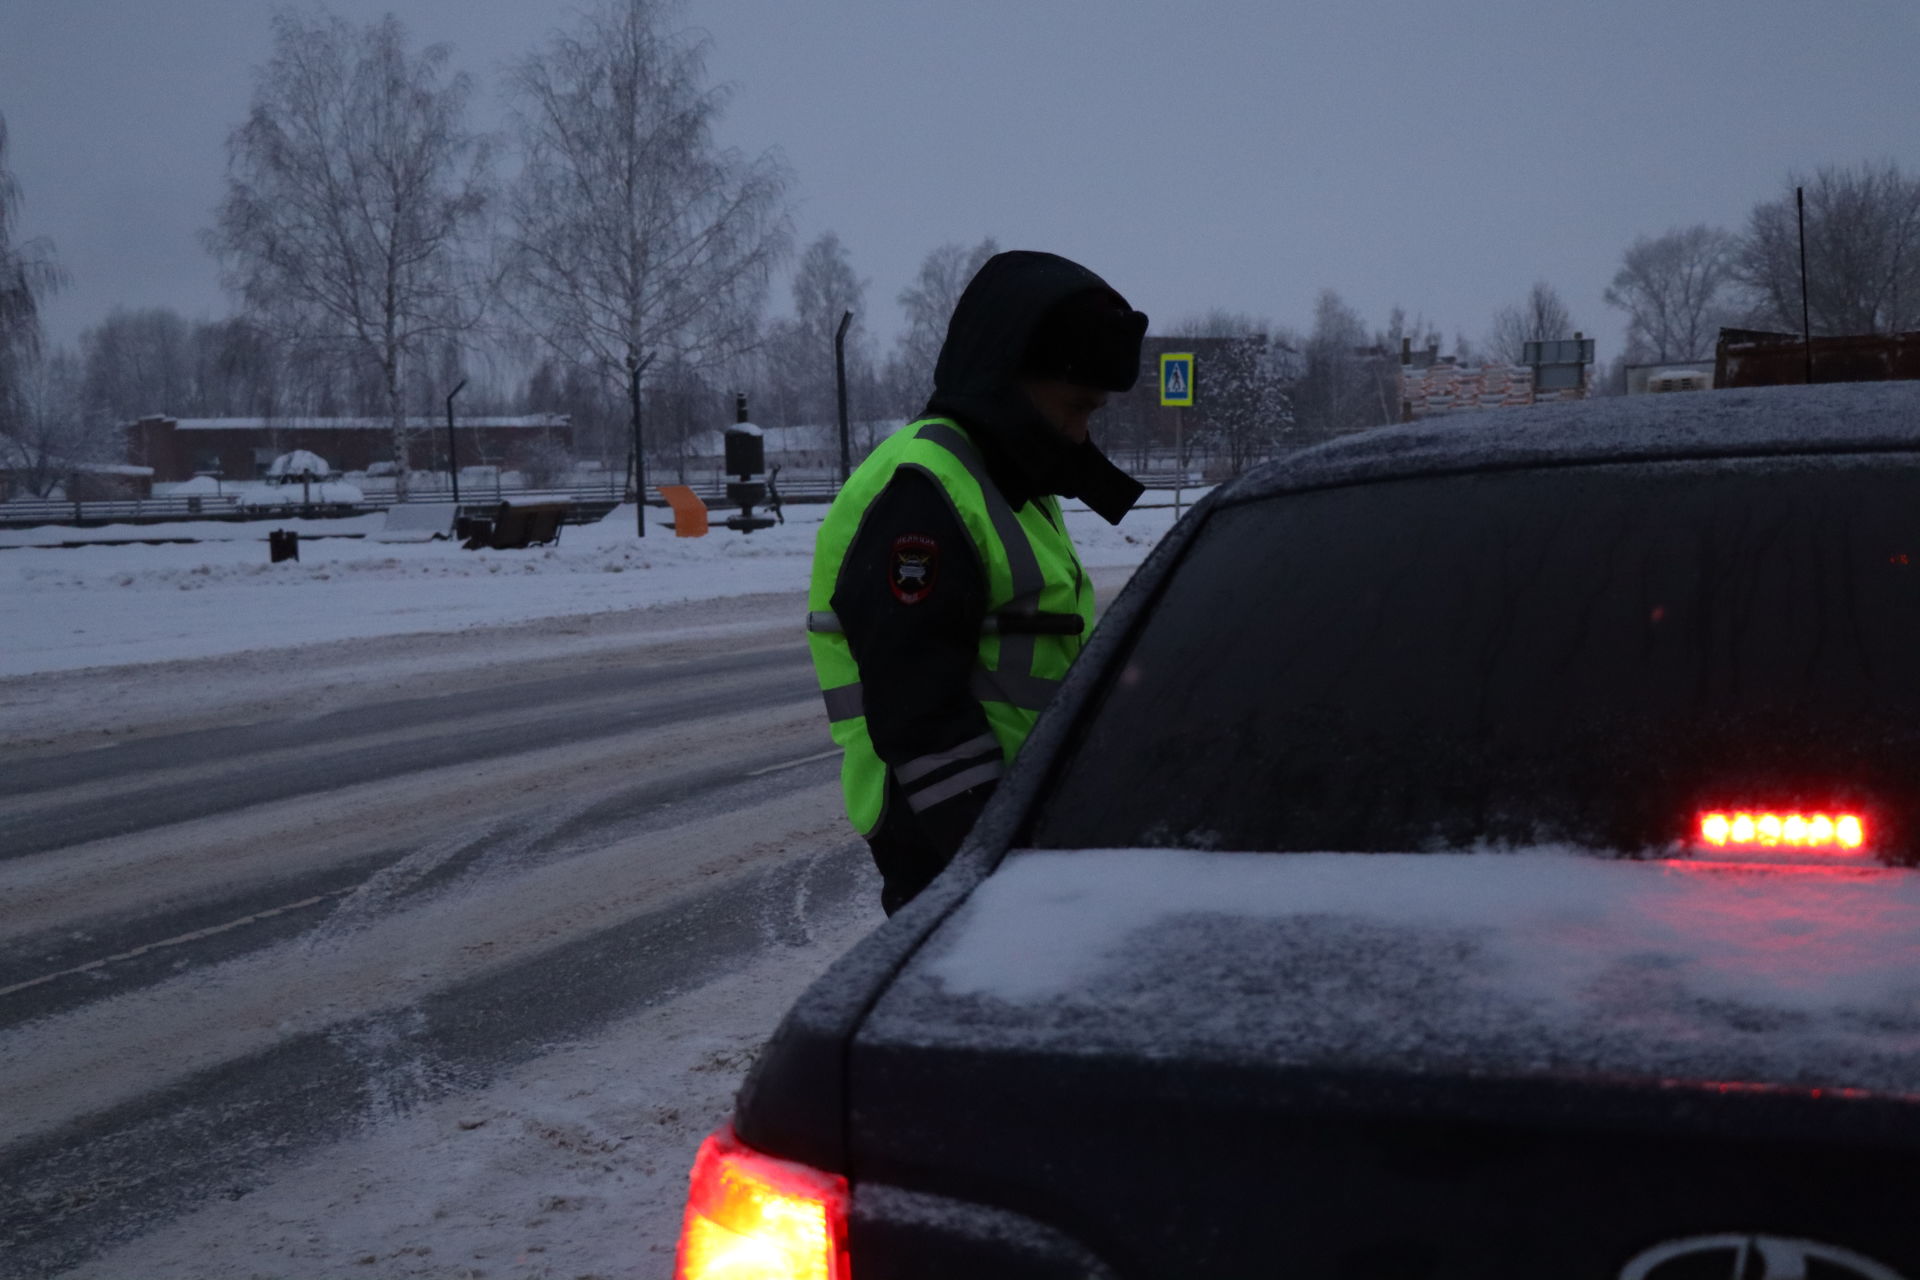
(1036, 592)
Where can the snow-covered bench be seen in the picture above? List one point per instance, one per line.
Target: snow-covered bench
(417, 522)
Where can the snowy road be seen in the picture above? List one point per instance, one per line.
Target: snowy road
(168, 778)
(232, 937)
(407, 954)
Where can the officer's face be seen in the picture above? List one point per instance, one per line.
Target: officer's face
(1067, 406)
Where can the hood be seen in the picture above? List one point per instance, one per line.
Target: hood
(975, 381)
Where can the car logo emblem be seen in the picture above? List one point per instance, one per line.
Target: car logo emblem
(1749, 1257)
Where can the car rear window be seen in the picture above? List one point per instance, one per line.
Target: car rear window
(1586, 654)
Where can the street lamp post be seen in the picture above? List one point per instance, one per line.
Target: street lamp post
(453, 456)
(635, 367)
(840, 386)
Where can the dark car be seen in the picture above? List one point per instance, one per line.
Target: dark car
(1482, 848)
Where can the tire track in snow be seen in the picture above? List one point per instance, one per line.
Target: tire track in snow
(85, 960)
(260, 779)
(218, 1133)
(376, 718)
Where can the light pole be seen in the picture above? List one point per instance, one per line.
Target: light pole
(1806, 322)
(635, 367)
(453, 457)
(840, 384)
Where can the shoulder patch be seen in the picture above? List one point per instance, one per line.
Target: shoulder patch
(913, 567)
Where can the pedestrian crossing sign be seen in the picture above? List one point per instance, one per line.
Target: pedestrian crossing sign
(1176, 379)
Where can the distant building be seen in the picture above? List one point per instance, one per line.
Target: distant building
(243, 448)
(1755, 358)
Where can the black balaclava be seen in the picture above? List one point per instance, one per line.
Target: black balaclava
(1038, 314)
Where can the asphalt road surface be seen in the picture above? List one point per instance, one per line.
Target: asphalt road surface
(245, 903)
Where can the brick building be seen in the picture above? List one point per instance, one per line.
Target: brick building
(242, 448)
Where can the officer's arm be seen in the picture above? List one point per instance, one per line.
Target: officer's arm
(911, 597)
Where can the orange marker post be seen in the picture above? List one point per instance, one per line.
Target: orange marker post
(689, 513)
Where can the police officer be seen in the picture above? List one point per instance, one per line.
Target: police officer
(947, 600)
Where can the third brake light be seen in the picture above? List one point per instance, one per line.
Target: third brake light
(1781, 829)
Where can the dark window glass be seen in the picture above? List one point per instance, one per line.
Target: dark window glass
(1587, 654)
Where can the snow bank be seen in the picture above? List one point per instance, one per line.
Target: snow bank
(67, 608)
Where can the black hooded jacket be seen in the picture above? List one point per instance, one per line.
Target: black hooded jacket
(916, 658)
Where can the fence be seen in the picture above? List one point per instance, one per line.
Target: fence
(32, 511)
(590, 502)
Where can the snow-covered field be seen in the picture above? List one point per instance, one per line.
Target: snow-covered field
(113, 604)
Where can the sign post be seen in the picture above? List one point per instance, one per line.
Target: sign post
(635, 367)
(1176, 393)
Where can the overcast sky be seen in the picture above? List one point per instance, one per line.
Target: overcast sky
(1238, 153)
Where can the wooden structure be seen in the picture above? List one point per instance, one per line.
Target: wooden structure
(1756, 358)
(514, 525)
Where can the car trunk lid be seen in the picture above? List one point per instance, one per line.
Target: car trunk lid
(1412, 1065)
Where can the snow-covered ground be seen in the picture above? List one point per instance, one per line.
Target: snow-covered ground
(573, 1166)
(575, 1163)
(109, 605)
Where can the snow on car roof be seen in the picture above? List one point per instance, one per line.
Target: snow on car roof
(1839, 417)
(1544, 962)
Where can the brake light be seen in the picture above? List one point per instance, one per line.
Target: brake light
(754, 1217)
(1770, 830)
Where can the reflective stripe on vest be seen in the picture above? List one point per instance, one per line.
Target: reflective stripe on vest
(1016, 652)
(1034, 628)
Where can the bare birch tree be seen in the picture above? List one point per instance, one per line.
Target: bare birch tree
(28, 273)
(154, 360)
(928, 303)
(1863, 253)
(634, 234)
(1677, 292)
(354, 192)
(238, 370)
(1541, 318)
(54, 433)
(1418, 333)
(1221, 322)
(1339, 384)
(825, 289)
(140, 362)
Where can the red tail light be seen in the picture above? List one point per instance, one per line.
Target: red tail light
(753, 1217)
(1744, 829)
